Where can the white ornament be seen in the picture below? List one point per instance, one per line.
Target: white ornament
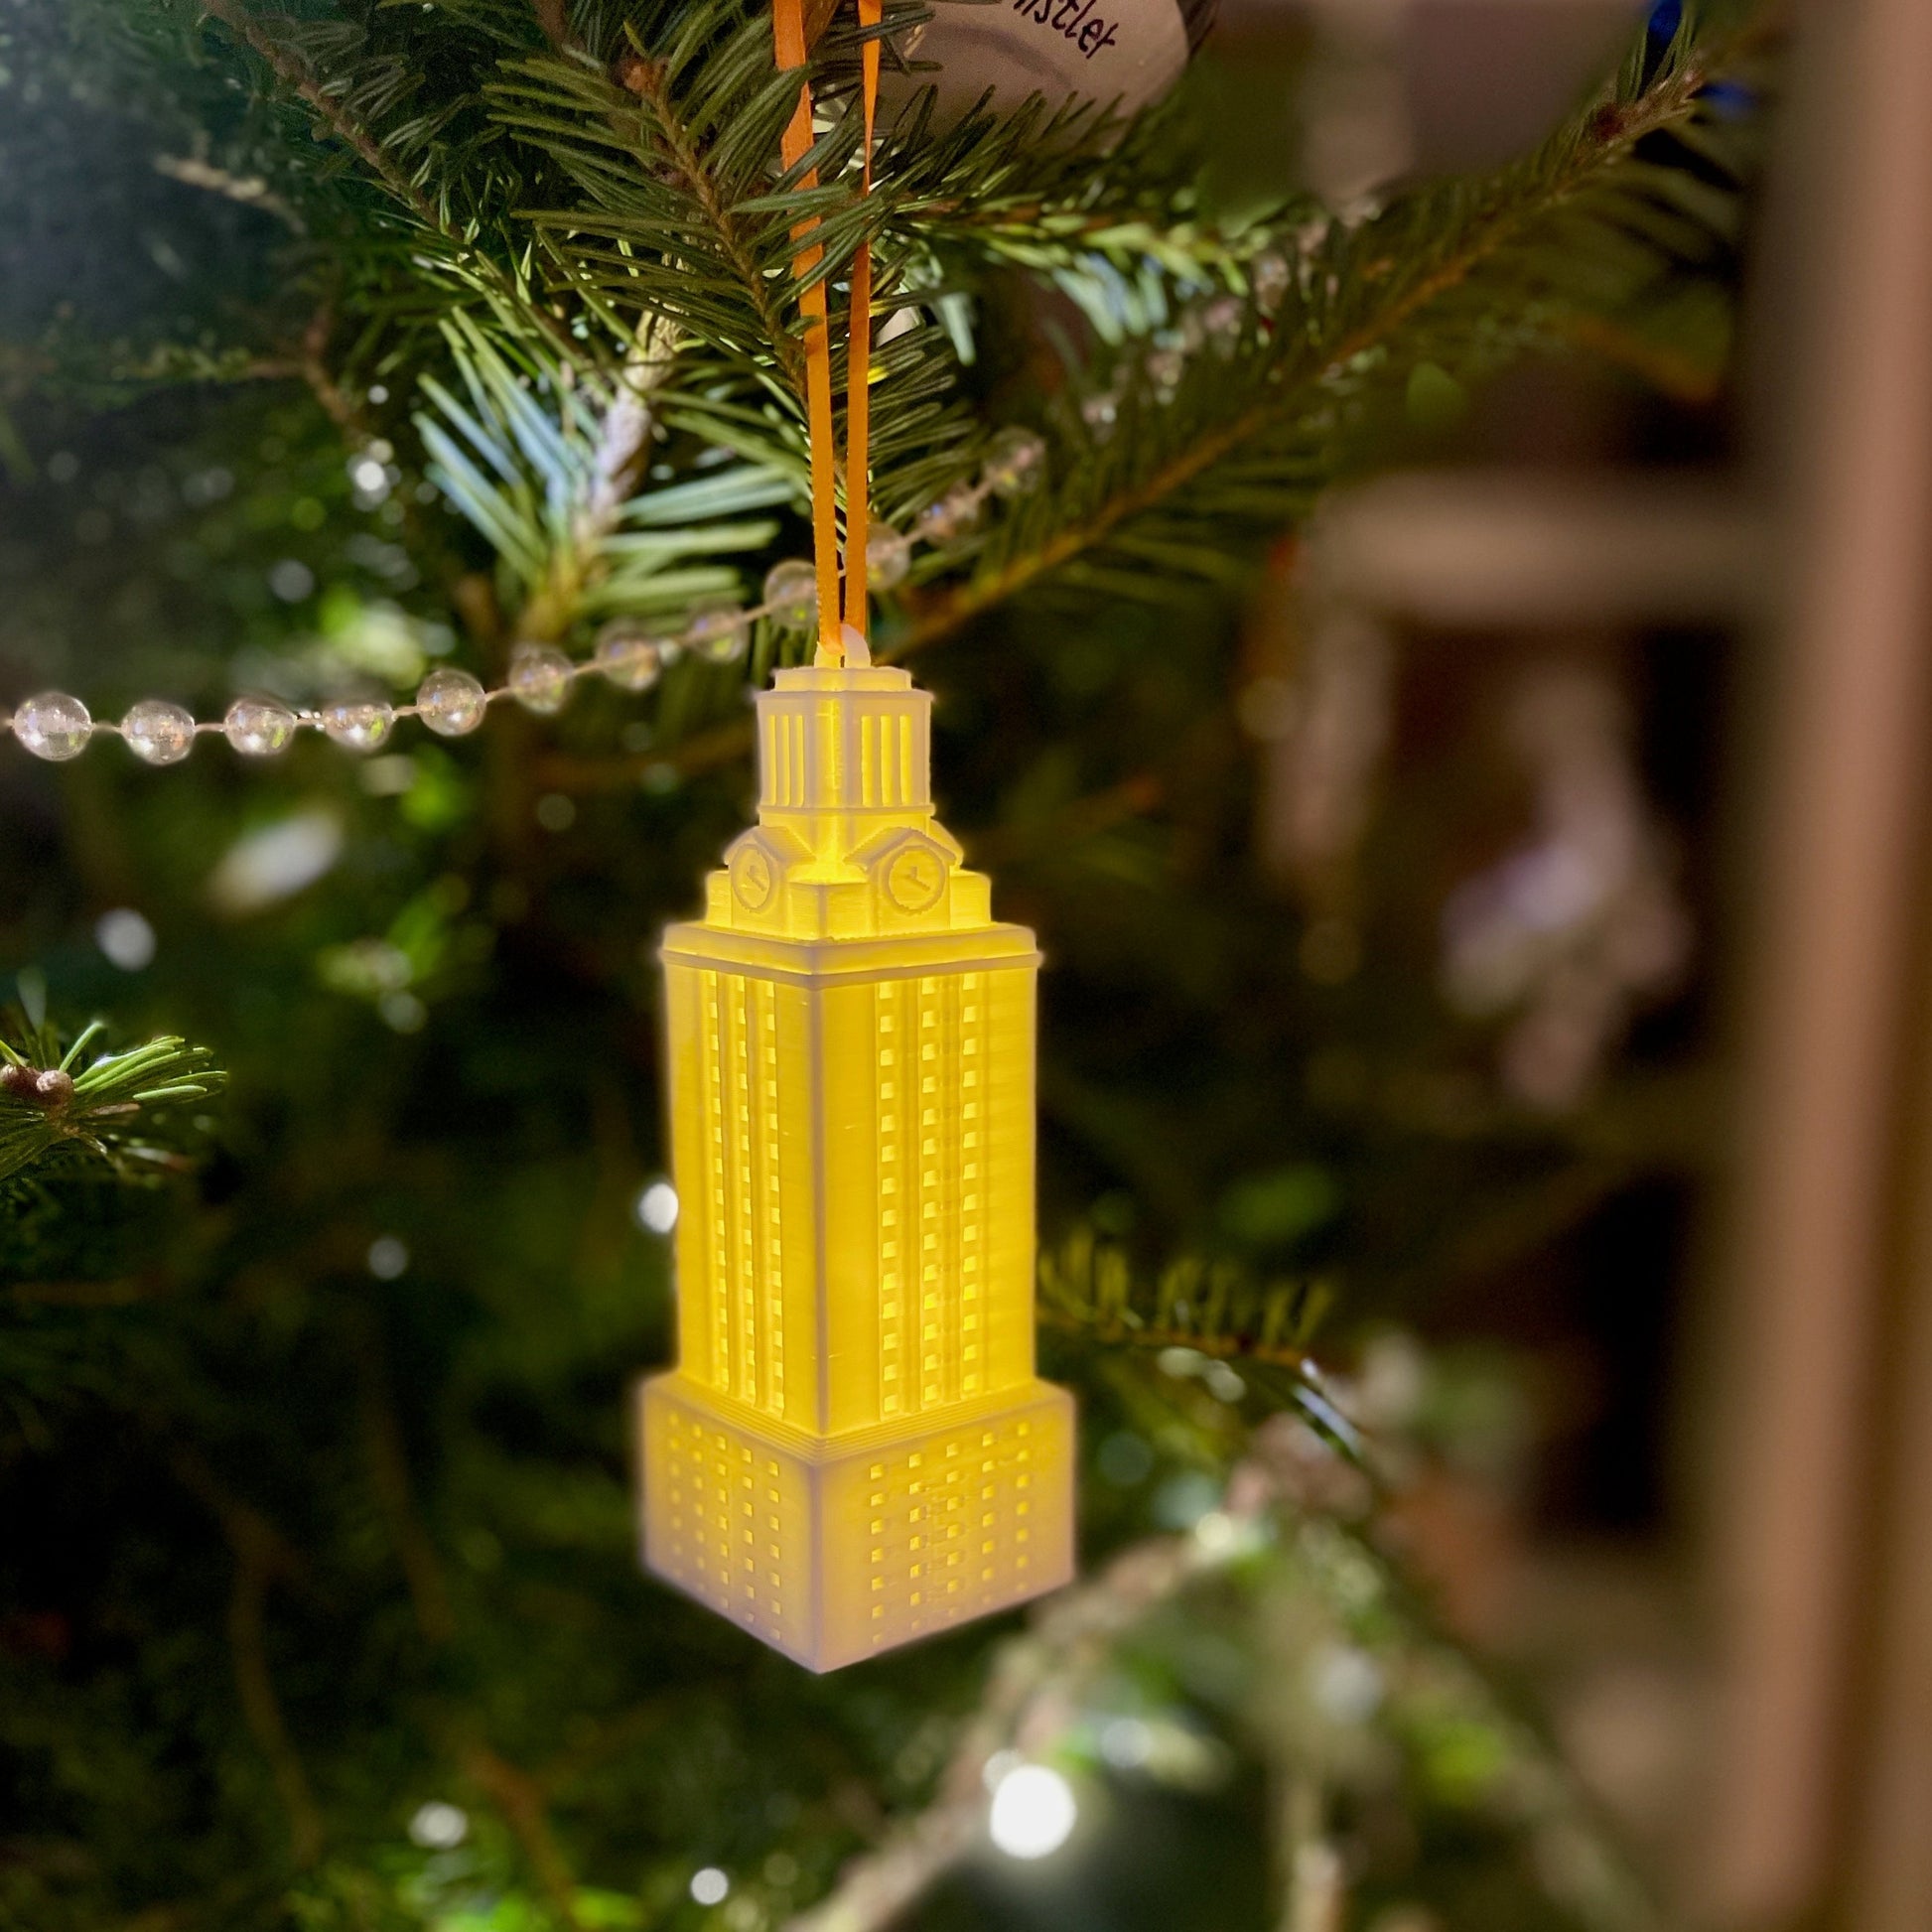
(889, 556)
(450, 702)
(539, 678)
(791, 593)
(1015, 461)
(863, 1377)
(258, 728)
(950, 515)
(359, 723)
(1124, 51)
(53, 726)
(1269, 272)
(718, 632)
(1221, 324)
(1100, 414)
(159, 732)
(629, 655)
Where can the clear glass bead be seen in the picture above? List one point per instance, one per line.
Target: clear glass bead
(950, 515)
(1164, 368)
(628, 655)
(1269, 276)
(1100, 414)
(539, 678)
(158, 732)
(258, 728)
(791, 594)
(889, 556)
(1015, 459)
(717, 632)
(53, 726)
(359, 723)
(450, 702)
(1221, 324)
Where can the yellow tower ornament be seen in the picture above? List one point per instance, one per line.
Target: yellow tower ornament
(854, 1448)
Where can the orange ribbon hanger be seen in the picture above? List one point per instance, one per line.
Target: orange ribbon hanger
(788, 35)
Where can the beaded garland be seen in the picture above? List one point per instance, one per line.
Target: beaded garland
(453, 703)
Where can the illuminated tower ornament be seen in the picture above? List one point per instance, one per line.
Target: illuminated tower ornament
(854, 1449)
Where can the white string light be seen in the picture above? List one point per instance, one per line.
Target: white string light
(452, 703)
(1032, 1812)
(710, 1887)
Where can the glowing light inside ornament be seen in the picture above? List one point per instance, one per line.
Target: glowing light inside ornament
(854, 1449)
(1032, 1812)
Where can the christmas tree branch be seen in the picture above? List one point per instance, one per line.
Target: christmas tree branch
(1210, 1311)
(1087, 1288)
(649, 81)
(1033, 1698)
(1037, 1682)
(117, 1106)
(552, 488)
(615, 456)
(296, 75)
(1317, 373)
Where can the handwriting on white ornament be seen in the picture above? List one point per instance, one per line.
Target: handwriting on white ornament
(1072, 19)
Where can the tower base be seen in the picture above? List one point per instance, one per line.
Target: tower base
(834, 1548)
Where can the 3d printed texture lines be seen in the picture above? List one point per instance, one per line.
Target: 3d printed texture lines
(854, 1449)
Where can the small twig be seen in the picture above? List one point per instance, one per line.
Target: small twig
(1683, 379)
(261, 1553)
(88, 1294)
(518, 1796)
(388, 1466)
(551, 17)
(249, 190)
(312, 365)
(261, 1711)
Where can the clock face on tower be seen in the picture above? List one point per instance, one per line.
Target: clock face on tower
(914, 877)
(751, 876)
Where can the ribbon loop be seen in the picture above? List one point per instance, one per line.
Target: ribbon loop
(788, 35)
